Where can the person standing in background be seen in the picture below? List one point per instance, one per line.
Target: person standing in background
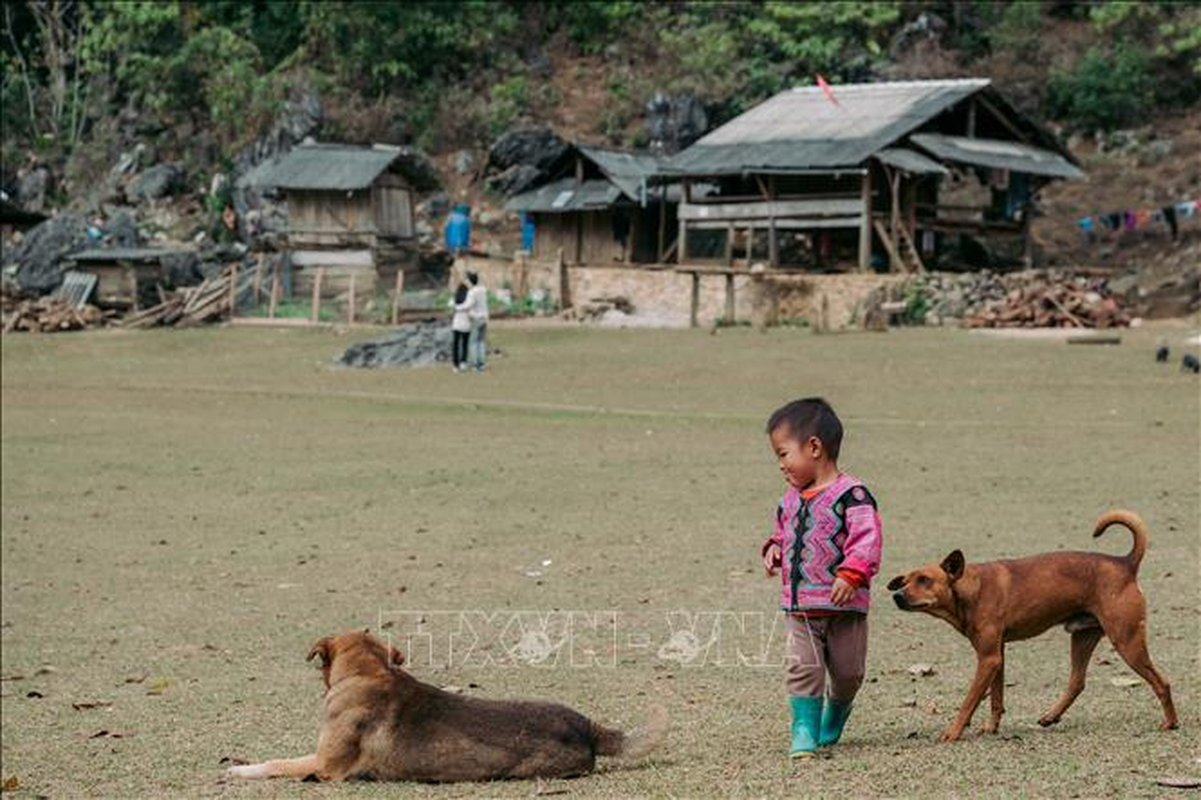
(477, 300)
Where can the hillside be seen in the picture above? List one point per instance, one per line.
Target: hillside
(204, 92)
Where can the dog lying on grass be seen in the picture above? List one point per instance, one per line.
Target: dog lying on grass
(1090, 594)
(380, 723)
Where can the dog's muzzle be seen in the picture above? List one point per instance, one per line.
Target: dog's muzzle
(898, 597)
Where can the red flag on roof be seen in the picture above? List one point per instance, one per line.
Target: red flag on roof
(825, 87)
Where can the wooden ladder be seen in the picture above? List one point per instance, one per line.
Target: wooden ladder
(902, 252)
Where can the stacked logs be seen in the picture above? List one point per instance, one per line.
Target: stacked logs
(1052, 303)
(48, 315)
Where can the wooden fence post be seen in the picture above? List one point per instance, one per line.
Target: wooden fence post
(696, 299)
(233, 290)
(275, 288)
(398, 295)
(729, 298)
(258, 280)
(315, 311)
(350, 304)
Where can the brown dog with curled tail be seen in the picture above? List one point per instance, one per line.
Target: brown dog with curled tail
(991, 603)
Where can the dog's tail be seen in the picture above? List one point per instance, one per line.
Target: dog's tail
(1134, 524)
(635, 743)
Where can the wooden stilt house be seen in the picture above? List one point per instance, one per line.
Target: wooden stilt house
(883, 175)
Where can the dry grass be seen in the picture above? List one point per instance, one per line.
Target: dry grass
(194, 508)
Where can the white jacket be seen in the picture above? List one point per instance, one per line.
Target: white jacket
(477, 302)
(461, 321)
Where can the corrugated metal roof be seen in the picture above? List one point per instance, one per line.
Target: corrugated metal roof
(997, 154)
(911, 161)
(627, 170)
(331, 167)
(563, 196)
(801, 129)
(123, 254)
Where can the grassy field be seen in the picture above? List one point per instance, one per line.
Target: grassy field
(185, 512)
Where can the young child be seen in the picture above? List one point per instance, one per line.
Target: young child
(827, 545)
(460, 326)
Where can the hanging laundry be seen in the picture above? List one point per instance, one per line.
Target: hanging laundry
(1112, 222)
(1086, 225)
(1130, 220)
(1142, 218)
(1169, 216)
(1186, 209)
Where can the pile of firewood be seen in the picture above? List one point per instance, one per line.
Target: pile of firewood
(49, 314)
(1053, 304)
(190, 305)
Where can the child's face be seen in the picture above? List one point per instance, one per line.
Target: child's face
(798, 459)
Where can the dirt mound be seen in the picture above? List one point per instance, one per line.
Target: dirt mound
(418, 345)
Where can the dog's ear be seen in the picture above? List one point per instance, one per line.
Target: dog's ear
(321, 648)
(395, 657)
(896, 583)
(953, 565)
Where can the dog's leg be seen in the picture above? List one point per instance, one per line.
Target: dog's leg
(996, 696)
(279, 768)
(989, 661)
(1083, 644)
(1125, 623)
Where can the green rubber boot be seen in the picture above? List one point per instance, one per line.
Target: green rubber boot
(806, 725)
(834, 717)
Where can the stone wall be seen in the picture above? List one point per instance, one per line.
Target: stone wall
(665, 296)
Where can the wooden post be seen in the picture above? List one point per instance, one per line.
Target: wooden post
(662, 225)
(274, 290)
(315, 311)
(696, 299)
(564, 282)
(682, 250)
(865, 226)
(523, 276)
(350, 300)
(730, 244)
(233, 290)
(258, 279)
(750, 245)
(729, 298)
(579, 237)
(131, 280)
(1027, 241)
(398, 295)
(773, 242)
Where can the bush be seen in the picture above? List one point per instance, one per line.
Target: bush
(1107, 89)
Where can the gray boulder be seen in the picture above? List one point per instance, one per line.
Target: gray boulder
(33, 187)
(464, 162)
(158, 181)
(39, 256)
(539, 148)
(674, 121)
(124, 230)
(516, 179)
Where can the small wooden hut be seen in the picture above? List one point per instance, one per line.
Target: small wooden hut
(606, 207)
(866, 175)
(350, 212)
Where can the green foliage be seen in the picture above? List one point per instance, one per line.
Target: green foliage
(1106, 90)
(917, 303)
(509, 100)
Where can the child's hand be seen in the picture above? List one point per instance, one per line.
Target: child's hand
(842, 593)
(771, 560)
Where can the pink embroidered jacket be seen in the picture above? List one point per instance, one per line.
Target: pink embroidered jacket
(838, 529)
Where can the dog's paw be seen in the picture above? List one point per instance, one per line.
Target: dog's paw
(1048, 721)
(949, 735)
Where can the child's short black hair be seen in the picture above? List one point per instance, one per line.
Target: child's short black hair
(461, 292)
(810, 416)
(474, 277)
